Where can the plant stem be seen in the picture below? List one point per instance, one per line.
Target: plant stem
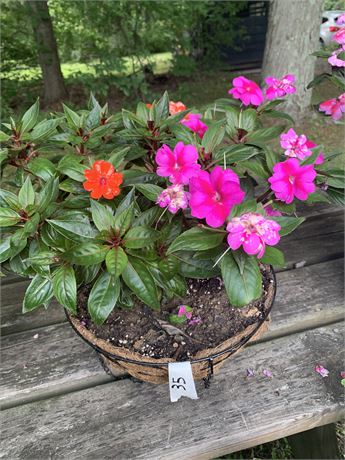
(220, 258)
(160, 217)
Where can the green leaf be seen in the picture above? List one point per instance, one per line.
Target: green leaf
(243, 287)
(26, 194)
(101, 216)
(4, 137)
(45, 129)
(140, 237)
(70, 165)
(265, 134)
(116, 261)
(72, 186)
(288, 224)
(280, 115)
(42, 168)
(117, 156)
(87, 273)
(336, 178)
(8, 198)
(48, 194)
(123, 220)
(248, 119)
(246, 206)
(8, 217)
(311, 159)
(169, 266)
(148, 217)
(86, 254)
(73, 119)
(103, 297)
(196, 239)
(31, 225)
(213, 136)
(235, 153)
(162, 108)
(30, 117)
(271, 158)
(256, 167)
(65, 287)
(150, 191)
(336, 195)
(40, 290)
(5, 249)
(138, 278)
(232, 120)
(74, 226)
(273, 256)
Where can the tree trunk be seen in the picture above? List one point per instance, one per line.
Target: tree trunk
(48, 57)
(292, 35)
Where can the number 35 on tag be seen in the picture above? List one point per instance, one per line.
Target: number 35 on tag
(181, 381)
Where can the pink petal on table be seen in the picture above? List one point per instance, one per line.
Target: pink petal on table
(267, 373)
(342, 374)
(321, 370)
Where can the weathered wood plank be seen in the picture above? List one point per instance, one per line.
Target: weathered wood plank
(127, 420)
(58, 361)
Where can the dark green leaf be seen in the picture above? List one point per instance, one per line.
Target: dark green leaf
(48, 194)
(103, 297)
(246, 206)
(101, 216)
(65, 287)
(288, 224)
(265, 134)
(42, 168)
(44, 129)
(8, 217)
(150, 191)
(213, 136)
(140, 237)
(75, 227)
(243, 287)
(26, 194)
(30, 117)
(196, 239)
(86, 254)
(70, 165)
(40, 290)
(116, 261)
(273, 256)
(123, 220)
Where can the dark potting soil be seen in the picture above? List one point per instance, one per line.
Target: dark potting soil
(150, 333)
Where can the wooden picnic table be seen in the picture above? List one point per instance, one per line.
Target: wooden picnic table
(59, 403)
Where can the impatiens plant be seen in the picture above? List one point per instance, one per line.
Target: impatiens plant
(134, 204)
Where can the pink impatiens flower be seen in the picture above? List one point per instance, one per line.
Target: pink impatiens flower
(294, 145)
(290, 180)
(320, 158)
(272, 212)
(214, 194)
(341, 19)
(184, 310)
(179, 165)
(339, 36)
(334, 107)
(173, 197)
(253, 232)
(322, 371)
(247, 91)
(193, 122)
(279, 88)
(334, 60)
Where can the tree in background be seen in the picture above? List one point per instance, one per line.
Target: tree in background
(293, 34)
(48, 57)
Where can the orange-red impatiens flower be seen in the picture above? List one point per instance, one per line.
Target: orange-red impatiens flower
(149, 106)
(176, 107)
(102, 180)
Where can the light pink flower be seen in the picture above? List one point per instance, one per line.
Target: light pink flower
(342, 373)
(250, 373)
(279, 88)
(174, 197)
(194, 321)
(267, 373)
(247, 91)
(334, 60)
(193, 122)
(339, 36)
(334, 107)
(320, 158)
(213, 195)
(290, 180)
(272, 212)
(322, 371)
(253, 232)
(179, 165)
(294, 145)
(341, 19)
(184, 310)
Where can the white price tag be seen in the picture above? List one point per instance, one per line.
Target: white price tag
(181, 381)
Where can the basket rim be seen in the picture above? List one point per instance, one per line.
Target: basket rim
(229, 350)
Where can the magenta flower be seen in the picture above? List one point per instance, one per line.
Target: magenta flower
(253, 232)
(184, 310)
(341, 19)
(322, 371)
(294, 145)
(193, 122)
(334, 107)
(247, 91)
(279, 88)
(267, 373)
(213, 195)
(174, 197)
(290, 180)
(194, 321)
(320, 158)
(339, 36)
(334, 60)
(179, 165)
(272, 212)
